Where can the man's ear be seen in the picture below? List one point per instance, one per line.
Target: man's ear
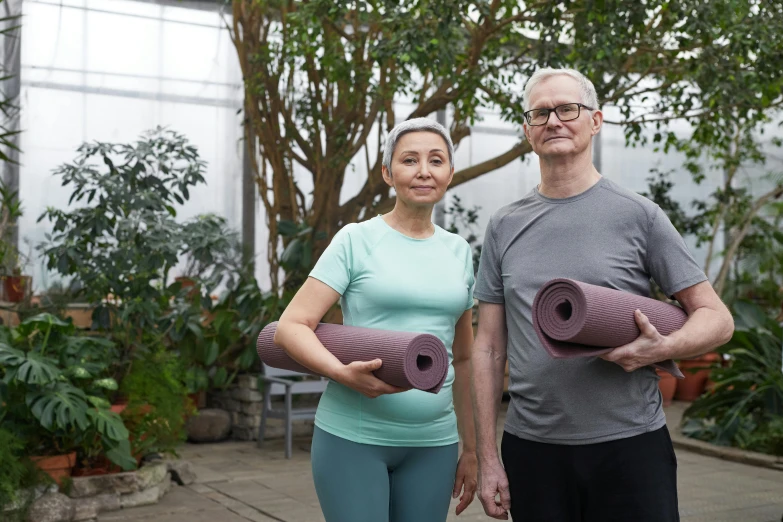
(525, 129)
(597, 120)
(387, 176)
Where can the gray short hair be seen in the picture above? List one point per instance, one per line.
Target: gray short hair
(415, 125)
(589, 96)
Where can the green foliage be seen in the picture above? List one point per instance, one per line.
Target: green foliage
(659, 187)
(157, 404)
(217, 341)
(321, 78)
(745, 407)
(463, 223)
(10, 211)
(54, 387)
(122, 241)
(8, 105)
(120, 245)
(757, 270)
(297, 258)
(16, 472)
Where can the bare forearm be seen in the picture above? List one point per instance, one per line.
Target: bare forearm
(488, 370)
(705, 330)
(463, 405)
(301, 344)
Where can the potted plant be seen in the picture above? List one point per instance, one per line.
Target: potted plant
(157, 402)
(53, 394)
(15, 285)
(697, 373)
(667, 384)
(745, 406)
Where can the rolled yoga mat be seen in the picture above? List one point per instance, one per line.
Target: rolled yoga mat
(575, 319)
(410, 360)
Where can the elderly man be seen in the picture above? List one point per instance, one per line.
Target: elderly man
(585, 439)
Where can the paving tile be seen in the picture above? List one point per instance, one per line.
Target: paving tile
(239, 482)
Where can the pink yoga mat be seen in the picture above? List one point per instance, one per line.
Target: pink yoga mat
(575, 319)
(410, 360)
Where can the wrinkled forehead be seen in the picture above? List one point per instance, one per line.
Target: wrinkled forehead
(555, 90)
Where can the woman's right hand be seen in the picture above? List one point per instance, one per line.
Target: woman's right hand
(358, 376)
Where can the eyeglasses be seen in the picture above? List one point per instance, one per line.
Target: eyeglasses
(565, 112)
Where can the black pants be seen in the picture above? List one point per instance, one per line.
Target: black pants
(626, 480)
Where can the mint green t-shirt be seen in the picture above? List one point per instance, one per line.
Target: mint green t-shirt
(390, 281)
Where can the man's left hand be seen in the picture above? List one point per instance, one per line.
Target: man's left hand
(650, 347)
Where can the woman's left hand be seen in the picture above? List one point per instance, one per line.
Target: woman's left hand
(466, 481)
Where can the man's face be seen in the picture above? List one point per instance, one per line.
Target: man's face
(557, 138)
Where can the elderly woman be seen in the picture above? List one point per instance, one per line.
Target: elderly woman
(381, 453)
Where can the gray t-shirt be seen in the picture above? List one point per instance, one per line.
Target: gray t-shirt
(606, 236)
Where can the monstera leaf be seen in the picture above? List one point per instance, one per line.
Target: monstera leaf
(59, 406)
(120, 454)
(30, 368)
(109, 425)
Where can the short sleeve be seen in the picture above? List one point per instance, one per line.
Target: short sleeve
(336, 264)
(670, 263)
(470, 278)
(489, 282)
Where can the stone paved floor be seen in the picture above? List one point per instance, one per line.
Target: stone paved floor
(239, 483)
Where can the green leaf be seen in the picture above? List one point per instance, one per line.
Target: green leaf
(109, 425)
(99, 402)
(10, 356)
(220, 377)
(37, 369)
(79, 372)
(59, 407)
(213, 350)
(45, 319)
(107, 383)
(120, 454)
(286, 228)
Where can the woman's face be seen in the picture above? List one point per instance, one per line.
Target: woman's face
(420, 169)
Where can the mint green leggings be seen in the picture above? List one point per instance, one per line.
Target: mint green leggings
(367, 483)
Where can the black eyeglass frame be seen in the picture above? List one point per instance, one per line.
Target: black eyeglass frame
(579, 107)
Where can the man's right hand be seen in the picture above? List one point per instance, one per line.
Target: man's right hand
(358, 376)
(493, 483)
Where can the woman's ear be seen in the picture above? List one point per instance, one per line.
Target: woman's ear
(387, 176)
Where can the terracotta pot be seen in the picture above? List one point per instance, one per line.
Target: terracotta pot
(199, 399)
(16, 287)
(91, 472)
(667, 385)
(695, 382)
(58, 467)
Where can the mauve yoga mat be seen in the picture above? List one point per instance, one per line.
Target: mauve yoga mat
(575, 319)
(410, 360)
